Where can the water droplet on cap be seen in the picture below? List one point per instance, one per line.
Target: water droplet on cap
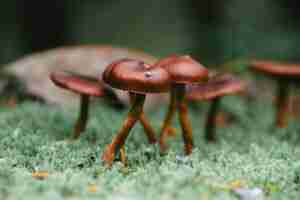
(148, 74)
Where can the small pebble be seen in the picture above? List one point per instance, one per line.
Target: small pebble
(249, 194)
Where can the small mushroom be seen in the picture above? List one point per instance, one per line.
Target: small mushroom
(183, 70)
(216, 87)
(138, 79)
(284, 74)
(83, 85)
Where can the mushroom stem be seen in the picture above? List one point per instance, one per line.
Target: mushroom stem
(183, 118)
(282, 104)
(150, 133)
(210, 125)
(167, 121)
(119, 140)
(81, 122)
(148, 129)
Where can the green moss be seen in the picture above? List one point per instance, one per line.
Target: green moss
(34, 137)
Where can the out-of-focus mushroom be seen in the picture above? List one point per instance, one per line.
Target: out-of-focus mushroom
(138, 79)
(183, 70)
(295, 111)
(33, 71)
(284, 74)
(216, 87)
(85, 87)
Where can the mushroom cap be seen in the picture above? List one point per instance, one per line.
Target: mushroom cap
(136, 76)
(77, 83)
(279, 69)
(183, 69)
(218, 85)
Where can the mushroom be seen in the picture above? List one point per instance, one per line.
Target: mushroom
(85, 87)
(138, 79)
(183, 70)
(216, 87)
(284, 74)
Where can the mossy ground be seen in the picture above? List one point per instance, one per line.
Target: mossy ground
(249, 153)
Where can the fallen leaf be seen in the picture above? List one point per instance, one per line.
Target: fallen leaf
(41, 175)
(33, 71)
(92, 188)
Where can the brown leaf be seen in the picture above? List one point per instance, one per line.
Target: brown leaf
(33, 70)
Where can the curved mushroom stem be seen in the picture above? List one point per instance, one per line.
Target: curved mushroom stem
(210, 125)
(81, 122)
(148, 129)
(150, 133)
(282, 104)
(183, 118)
(119, 140)
(167, 121)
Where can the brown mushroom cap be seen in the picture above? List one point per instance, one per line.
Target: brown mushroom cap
(77, 83)
(279, 69)
(136, 76)
(183, 69)
(218, 85)
(166, 60)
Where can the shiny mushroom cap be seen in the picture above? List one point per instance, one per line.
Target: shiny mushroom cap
(136, 76)
(279, 69)
(218, 85)
(77, 83)
(183, 69)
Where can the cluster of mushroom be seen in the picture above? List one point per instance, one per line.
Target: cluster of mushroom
(182, 76)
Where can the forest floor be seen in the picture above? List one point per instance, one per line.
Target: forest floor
(250, 153)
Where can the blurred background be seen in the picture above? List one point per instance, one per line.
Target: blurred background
(214, 31)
